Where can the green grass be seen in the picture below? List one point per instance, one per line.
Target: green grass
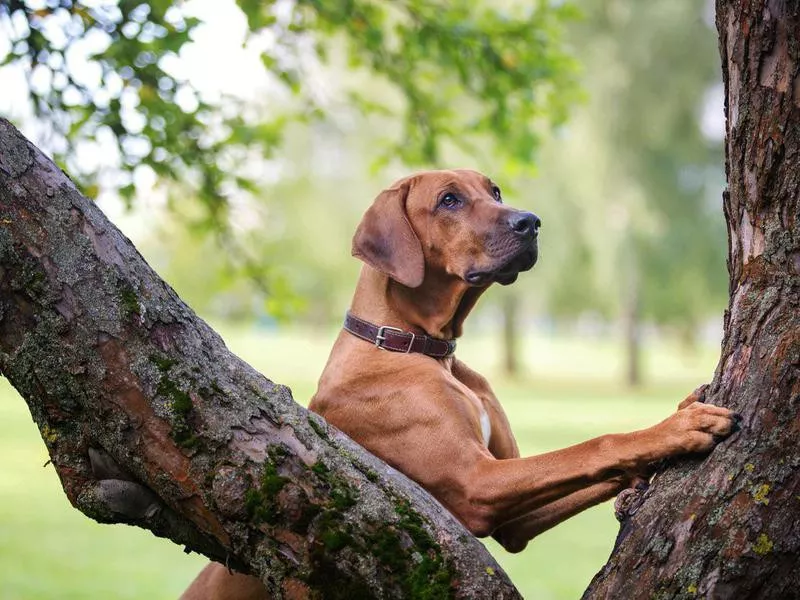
(49, 550)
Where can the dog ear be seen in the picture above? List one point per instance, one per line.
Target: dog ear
(386, 241)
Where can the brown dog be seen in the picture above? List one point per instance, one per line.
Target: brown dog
(432, 244)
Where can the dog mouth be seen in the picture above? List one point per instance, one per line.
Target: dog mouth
(507, 272)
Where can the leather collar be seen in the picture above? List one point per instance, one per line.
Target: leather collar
(397, 340)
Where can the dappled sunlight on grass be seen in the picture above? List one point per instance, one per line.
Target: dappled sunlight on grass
(570, 392)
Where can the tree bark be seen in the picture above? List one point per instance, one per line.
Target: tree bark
(149, 420)
(729, 526)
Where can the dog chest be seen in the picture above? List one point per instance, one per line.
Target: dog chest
(486, 427)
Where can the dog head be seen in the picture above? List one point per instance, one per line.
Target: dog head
(447, 222)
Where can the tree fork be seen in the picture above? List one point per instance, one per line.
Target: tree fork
(729, 526)
(149, 419)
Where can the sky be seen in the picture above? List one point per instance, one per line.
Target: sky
(217, 61)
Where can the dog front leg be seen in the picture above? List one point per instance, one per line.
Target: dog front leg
(498, 491)
(515, 535)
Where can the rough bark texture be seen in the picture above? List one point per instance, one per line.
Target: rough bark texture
(729, 526)
(150, 420)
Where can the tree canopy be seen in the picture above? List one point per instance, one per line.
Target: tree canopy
(455, 73)
(627, 190)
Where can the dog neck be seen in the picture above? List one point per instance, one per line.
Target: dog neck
(437, 308)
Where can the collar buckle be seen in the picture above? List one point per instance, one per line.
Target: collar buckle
(380, 337)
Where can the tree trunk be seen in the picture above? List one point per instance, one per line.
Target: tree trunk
(729, 526)
(150, 420)
(510, 308)
(632, 334)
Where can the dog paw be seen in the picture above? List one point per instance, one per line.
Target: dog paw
(696, 429)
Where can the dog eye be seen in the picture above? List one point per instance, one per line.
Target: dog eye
(496, 192)
(450, 200)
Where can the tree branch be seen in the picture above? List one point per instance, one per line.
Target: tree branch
(150, 420)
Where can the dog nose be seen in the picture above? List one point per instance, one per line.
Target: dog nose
(524, 224)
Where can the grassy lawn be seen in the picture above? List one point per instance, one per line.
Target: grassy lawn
(49, 550)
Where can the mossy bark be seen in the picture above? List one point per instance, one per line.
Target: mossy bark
(150, 420)
(729, 526)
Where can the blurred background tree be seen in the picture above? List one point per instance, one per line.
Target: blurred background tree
(335, 99)
(631, 185)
